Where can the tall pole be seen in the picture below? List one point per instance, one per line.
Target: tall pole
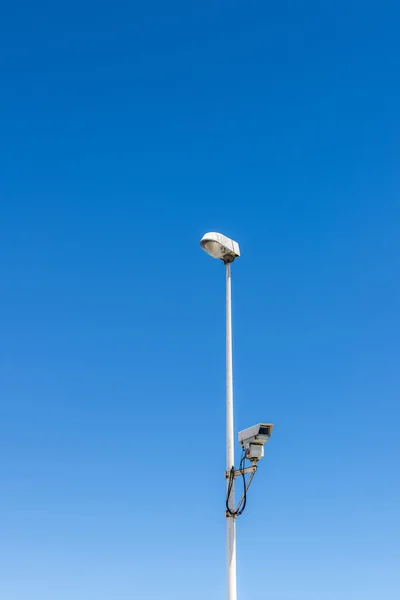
(230, 454)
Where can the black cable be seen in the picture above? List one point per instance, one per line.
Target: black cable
(236, 513)
(241, 468)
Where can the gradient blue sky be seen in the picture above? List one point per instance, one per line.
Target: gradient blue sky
(127, 131)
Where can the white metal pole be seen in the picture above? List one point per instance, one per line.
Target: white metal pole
(230, 455)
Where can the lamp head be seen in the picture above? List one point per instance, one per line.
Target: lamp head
(220, 246)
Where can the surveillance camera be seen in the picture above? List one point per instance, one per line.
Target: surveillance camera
(255, 436)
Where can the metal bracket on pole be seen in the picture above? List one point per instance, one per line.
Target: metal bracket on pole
(240, 472)
(247, 487)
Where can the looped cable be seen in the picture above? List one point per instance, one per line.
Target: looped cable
(237, 513)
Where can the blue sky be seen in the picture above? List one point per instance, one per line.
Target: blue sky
(127, 131)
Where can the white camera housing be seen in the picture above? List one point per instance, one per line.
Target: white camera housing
(255, 451)
(254, 438)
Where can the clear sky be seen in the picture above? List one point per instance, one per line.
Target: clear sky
(127, 131)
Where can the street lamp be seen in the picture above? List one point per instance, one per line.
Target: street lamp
(220, 246)
(252, 440)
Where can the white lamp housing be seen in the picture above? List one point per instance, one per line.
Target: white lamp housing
(220, 246)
